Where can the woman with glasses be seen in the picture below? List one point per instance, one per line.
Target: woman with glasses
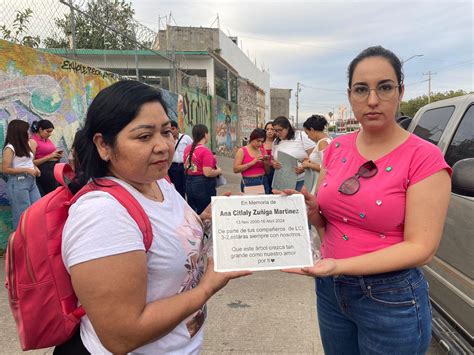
(296, 144)
(382, 199)
(252, 162)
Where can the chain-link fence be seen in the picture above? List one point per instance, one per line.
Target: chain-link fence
(100, 34)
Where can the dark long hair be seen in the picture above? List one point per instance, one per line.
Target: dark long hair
(43, 124)
(199, 132)
(110, 111)
(17, 136)
(285, 123)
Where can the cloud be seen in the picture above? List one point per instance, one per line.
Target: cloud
(312, 42)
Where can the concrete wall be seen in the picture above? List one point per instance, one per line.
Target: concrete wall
(188, 39)
(231, 53)
(280, 102)
(247, 103)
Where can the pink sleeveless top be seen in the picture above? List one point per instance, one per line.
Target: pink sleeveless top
(44, 148)
(256, 170)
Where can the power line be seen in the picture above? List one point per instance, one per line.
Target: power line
(323, 89)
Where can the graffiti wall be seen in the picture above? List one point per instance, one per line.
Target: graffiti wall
(225, 127)
(196, 109)
(36, 85)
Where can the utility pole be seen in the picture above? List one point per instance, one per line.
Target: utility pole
(429, 84)
(298, 90)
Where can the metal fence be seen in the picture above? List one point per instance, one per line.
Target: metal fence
(94, 33)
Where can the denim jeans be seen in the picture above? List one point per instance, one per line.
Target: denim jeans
(386, 313)
(199, 190)
(254, 181)
(299, 185)
(22, 192)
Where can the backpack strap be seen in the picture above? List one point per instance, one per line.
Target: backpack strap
(63, 173)
(126, 200)
(179, 140)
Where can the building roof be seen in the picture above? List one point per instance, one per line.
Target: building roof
(62, 51)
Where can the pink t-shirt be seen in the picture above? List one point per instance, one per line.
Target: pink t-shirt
(373, 218)
(44, 148)
(255, 170)
(202, 157)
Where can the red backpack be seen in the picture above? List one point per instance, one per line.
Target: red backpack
(40, 292)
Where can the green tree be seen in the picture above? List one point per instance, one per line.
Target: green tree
(18, 28)
(410, 107)
(92, 28)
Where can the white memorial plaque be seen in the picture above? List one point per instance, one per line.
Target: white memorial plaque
(267, 232)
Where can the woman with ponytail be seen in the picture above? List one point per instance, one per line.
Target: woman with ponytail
(139, 302)
(46, 155)
(201, 170)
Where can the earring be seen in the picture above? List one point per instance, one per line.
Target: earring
(106, 159)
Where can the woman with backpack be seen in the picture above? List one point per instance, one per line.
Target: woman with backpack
(46, 155)
(150, 302)
(201, 170)
(17, 163)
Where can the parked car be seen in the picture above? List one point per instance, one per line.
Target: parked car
(450, 125)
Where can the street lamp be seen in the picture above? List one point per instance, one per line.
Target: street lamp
(413, 56)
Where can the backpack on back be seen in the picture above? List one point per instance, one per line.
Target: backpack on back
(40, 292)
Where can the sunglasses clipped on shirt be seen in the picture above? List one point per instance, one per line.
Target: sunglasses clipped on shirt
(351, 185)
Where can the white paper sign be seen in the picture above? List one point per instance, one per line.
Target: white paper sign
(266, 232)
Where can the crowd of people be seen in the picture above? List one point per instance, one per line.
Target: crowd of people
(380, 202)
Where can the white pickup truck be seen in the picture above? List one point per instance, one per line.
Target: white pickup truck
(450, 125)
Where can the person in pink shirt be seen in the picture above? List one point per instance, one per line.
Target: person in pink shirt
(201, 170)
(382, 197)
(46, 155)
(268, 145)
(253, 162)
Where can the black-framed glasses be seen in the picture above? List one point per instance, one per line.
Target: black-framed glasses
(385, 91)
(351, 185)
(278, 130)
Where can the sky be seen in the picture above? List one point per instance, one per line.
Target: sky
(313, 42)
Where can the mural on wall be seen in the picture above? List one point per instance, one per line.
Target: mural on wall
(36, 85)
(196, 109)
(226, 127)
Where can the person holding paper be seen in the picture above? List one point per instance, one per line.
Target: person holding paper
(136, 302)
(314, 128)
(382, 200)
(295, 144)
(252, 162)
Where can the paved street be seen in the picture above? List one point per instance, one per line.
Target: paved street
(265, 313)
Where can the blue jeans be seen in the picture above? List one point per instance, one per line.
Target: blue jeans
(22, 192)
(199, 190)
(386, 313)
(254, 181)
(299, 185)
